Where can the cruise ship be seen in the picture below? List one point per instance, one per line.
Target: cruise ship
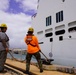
(55, 26)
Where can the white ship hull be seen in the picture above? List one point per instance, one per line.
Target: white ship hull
(58, 36)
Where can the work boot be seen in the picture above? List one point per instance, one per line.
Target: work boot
(3, 71)
(41, 71)
(26, 72)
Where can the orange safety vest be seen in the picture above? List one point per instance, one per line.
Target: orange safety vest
(32, 44)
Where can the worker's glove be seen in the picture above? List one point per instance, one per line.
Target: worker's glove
(7, 49)
(39, 50)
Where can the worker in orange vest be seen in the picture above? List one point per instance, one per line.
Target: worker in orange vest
(32, 49)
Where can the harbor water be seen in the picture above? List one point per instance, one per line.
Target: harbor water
(20, 57)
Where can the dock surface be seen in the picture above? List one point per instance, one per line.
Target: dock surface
(20, 67)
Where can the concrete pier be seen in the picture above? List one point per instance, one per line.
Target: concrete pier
(20, 67)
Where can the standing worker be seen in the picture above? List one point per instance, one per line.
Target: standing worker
(32, 49)
(4, 46)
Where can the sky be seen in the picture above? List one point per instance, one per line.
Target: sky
(16, 14)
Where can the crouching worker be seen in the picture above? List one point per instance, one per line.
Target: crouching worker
(33, 49)
(4, 46)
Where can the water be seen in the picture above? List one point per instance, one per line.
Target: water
(20, 57)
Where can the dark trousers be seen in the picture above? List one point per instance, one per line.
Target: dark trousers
(3, 56)
(28, 59)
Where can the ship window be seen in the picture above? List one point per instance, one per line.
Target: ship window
(72, 24)
(72, 29)
(59, 16)
(70, 36)
(63, 0)
(51, 39)
(41, 42)
(48, 30)
(61, 38)
(40, 32)
(60, 32)
(48, 21)
(59, 27)
(48, 34)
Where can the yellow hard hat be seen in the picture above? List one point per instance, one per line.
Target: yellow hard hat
(3, 25)
(31, 29)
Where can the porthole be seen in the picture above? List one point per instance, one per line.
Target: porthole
(60, 32)
(72, 29)
(61, 38)
(49, 34)
(63, 0)
(51, 39)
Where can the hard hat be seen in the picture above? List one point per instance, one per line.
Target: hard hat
(3, 25)
(31, 29)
